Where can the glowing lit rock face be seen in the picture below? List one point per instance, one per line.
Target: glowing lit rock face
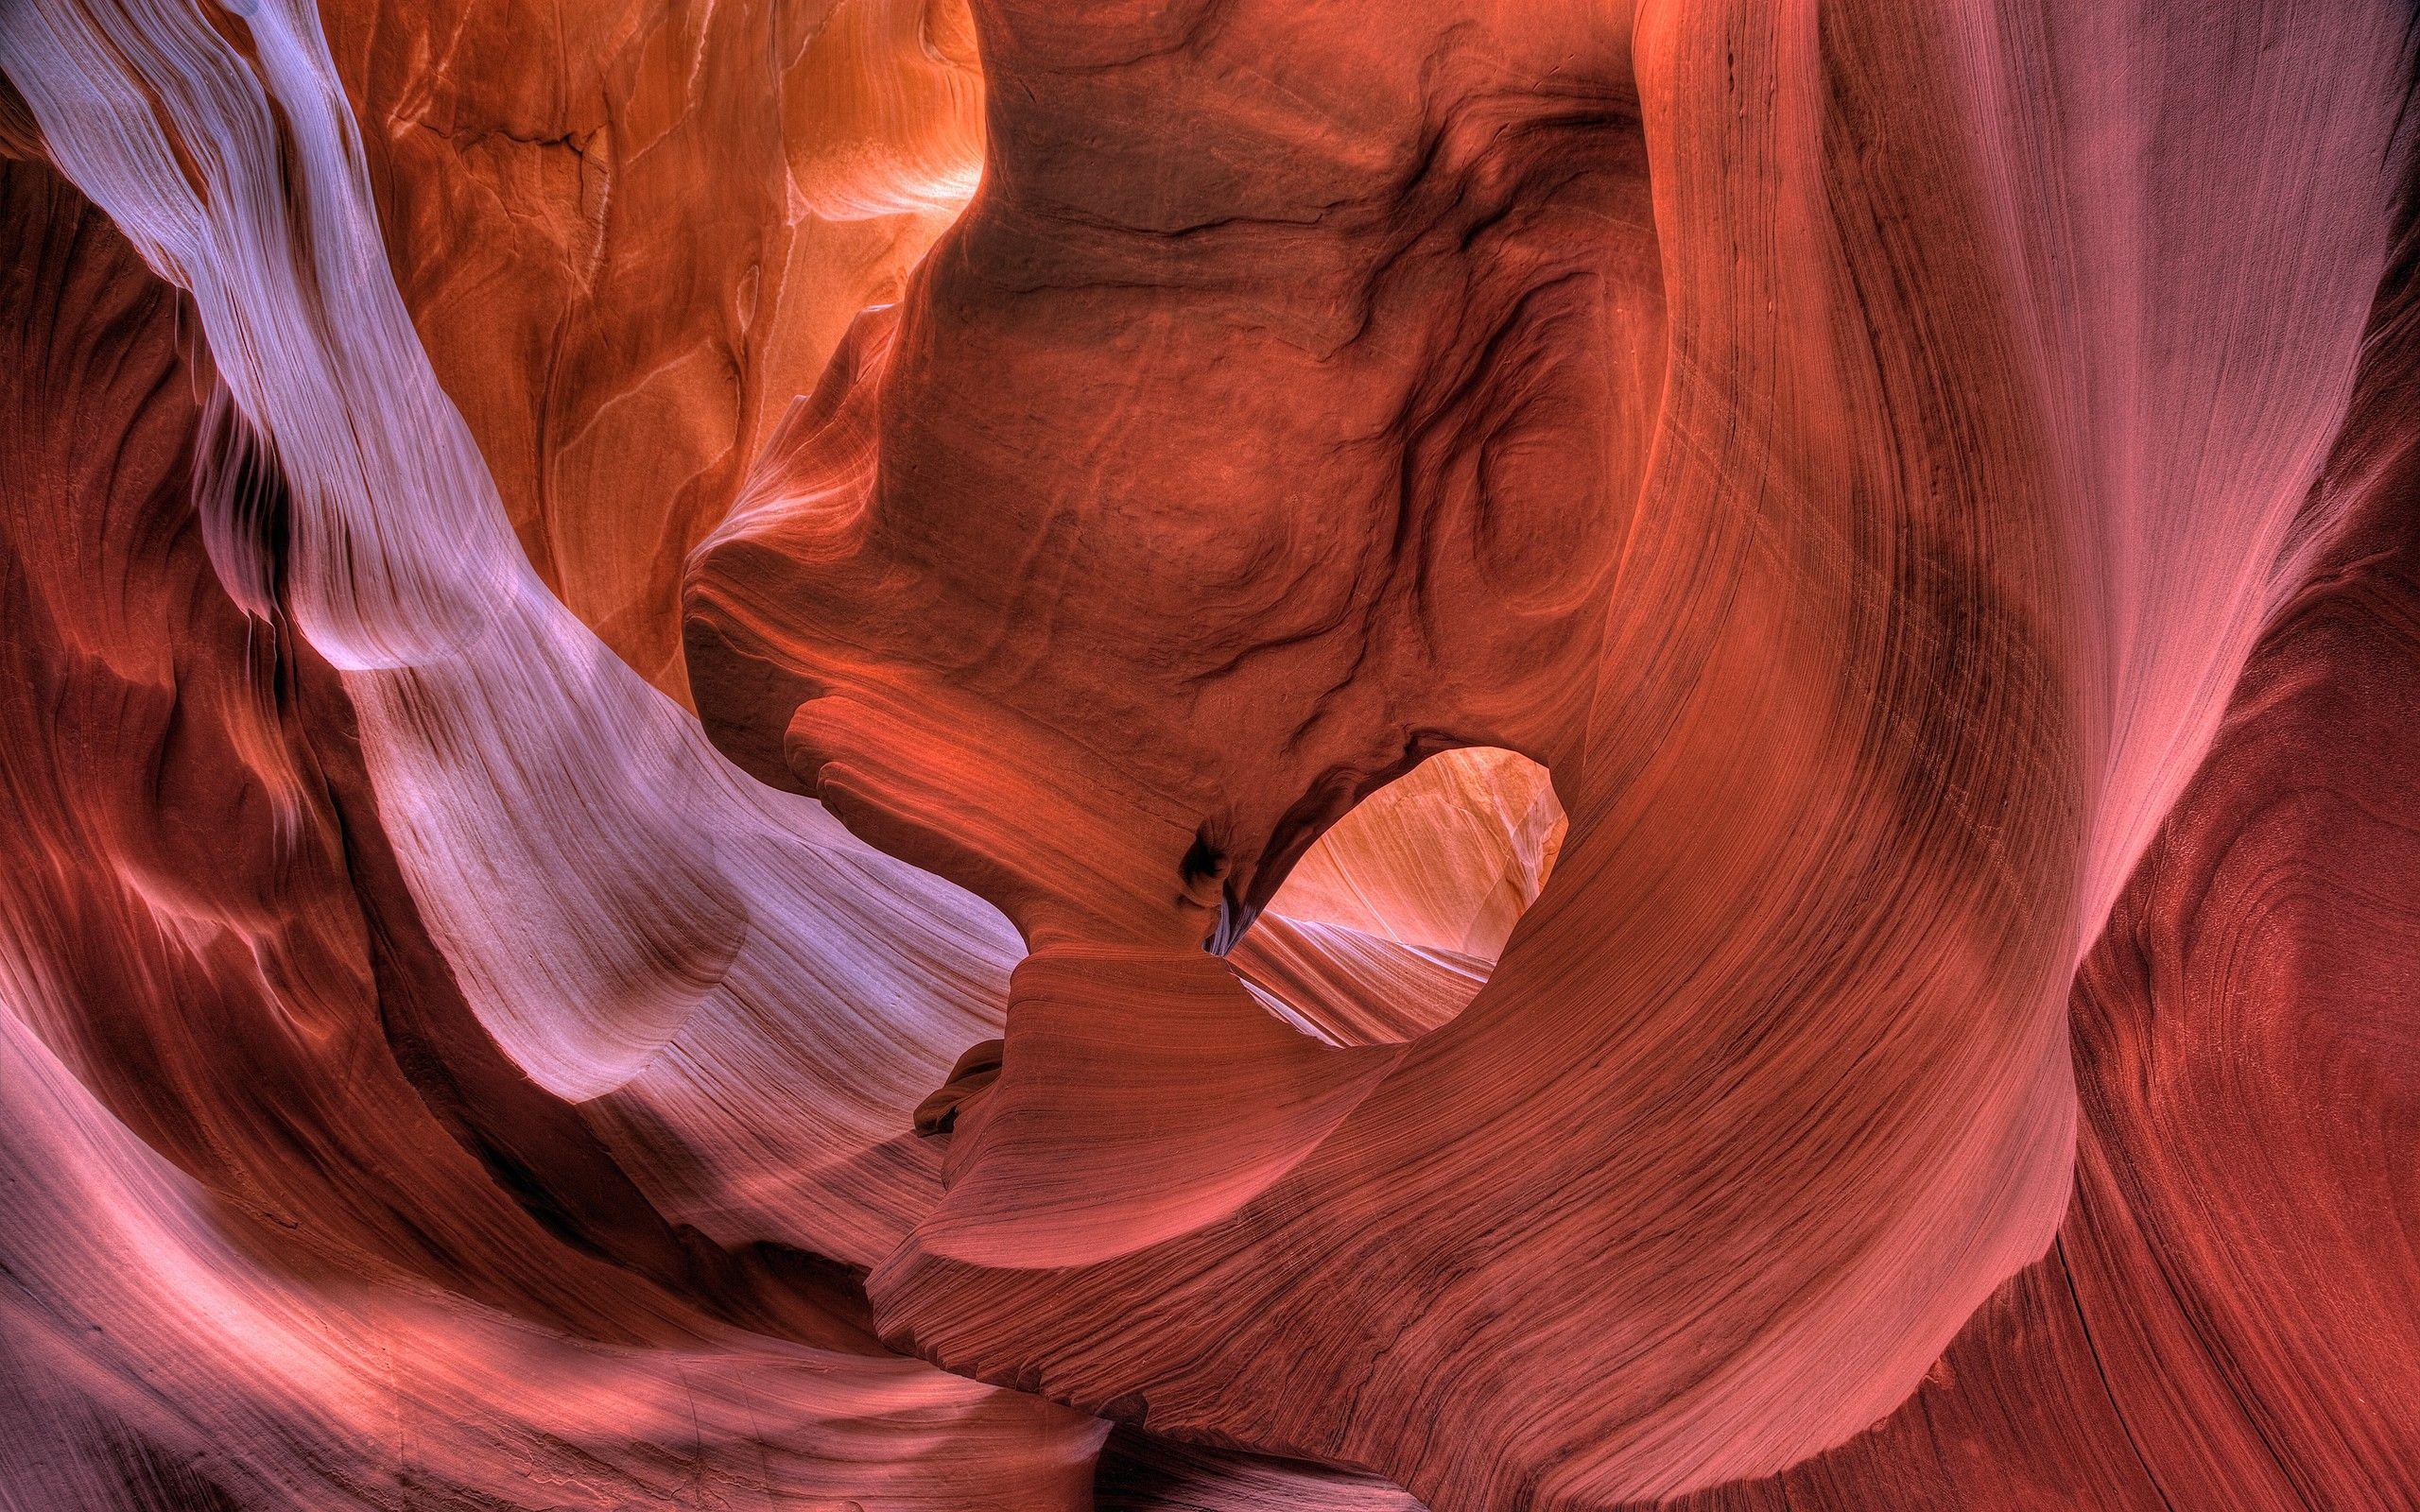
(1775, 648)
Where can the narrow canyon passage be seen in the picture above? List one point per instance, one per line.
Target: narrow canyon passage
(1209, 755)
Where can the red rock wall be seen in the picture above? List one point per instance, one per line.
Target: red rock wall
(1926, 491)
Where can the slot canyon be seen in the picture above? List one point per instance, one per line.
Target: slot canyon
(1210, 755)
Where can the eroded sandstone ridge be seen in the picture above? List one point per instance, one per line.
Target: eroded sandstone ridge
(1209, 755)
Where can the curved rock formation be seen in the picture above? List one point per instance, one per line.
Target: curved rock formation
(629, 237)
(1929, 601)
(1532, 756)
(263, 1242)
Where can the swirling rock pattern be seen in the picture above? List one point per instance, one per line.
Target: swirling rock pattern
(1540, 755)
(631, 233)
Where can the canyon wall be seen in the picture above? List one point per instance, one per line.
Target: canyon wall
(1209, 755)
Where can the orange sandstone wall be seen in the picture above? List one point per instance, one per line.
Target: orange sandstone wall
(1215, 755)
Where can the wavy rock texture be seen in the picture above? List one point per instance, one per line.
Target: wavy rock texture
(263, 1243)
(1772, 645)
(628, 233)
